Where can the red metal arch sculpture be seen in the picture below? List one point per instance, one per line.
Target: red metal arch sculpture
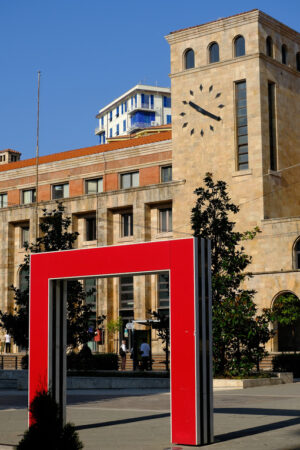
(190, 321)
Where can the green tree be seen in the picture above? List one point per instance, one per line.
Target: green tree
(114, 327)
(163, 331)
(55, 235)
(47, 431)
(286, 312)
(239, 334)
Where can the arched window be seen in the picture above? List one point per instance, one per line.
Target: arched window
(214, 53)
(297, 254)
(286, 316)
(239, 46)
(298, 61)
(189, 59)
(284, 53)
(24, 279)
(269, 46)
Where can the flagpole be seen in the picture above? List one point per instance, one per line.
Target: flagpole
(37, 161)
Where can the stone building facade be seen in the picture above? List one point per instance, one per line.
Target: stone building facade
(115, 193)
(235, 86)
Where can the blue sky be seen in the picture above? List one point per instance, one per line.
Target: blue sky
(90, 52)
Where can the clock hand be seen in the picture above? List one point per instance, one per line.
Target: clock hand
(203, 111)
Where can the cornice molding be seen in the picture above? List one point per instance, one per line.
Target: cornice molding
(88, 160)
(232, 22)
(213, 27)
(215, 65)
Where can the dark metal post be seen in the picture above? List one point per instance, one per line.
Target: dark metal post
(204, 313)
(57, 344)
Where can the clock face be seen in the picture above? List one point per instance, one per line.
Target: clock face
(201, 111)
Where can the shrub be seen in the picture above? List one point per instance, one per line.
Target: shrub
(47, 431)
(287, 362)
(24, 362)
(101, 361)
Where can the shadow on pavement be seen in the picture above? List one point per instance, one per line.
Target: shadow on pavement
(258, 411)
(261, 428)
(122, 421)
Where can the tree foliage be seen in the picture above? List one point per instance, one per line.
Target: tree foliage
(163, 331)
(55, 235)
(239, 333)
(286, 312)
(47, 431)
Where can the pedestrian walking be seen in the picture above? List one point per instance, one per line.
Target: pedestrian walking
(123, 351)
(145, 354)
(7, 342)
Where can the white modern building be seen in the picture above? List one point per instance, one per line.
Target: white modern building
(141, 107)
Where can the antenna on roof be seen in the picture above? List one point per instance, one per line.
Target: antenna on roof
(37, 159)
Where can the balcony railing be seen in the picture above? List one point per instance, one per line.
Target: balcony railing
(139, 125)
(143, 106)
(99, 130)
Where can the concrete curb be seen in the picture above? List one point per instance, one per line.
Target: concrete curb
(117, 383)
(281, 378)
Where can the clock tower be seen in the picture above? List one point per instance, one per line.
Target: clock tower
(235, 86)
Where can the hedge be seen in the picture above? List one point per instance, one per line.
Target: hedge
(287, 362)
(100, 361)
(79, 361)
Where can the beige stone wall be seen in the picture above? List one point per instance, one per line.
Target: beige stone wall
(107, 207)
(268, 200)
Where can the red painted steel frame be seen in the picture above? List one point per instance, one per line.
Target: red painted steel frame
(178, 257)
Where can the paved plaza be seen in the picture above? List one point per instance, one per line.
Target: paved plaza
(256, 418)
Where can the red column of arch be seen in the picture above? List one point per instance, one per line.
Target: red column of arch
(179, 258)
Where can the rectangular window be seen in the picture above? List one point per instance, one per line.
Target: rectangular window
(91, 294)
(135, 100)
(165, 220)
(127, 224)
(90, 228)
(60, 191)
(125, 104)
(3, 200)
(24, 235)
(94, 186)
(126, 293)
(241, 125)
(102, 121)
(110, 116)
(102, 138)
(152, 101)
(110, 132)
(117, 111)
(145, 100)
(163, 291)
(166, 174)
(131, 101)
(124, 125)
(28, 196)
(118, 130)
(129, 180)
(272, 126)
(122, 108)
(169, 118)
(167, 102)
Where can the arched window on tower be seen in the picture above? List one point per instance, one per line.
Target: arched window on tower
(284, 53)
(298, 61)
(297, 254)
(239, 46)
(269, 46)
(189, 59)
(286, 316)
(214, 55)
